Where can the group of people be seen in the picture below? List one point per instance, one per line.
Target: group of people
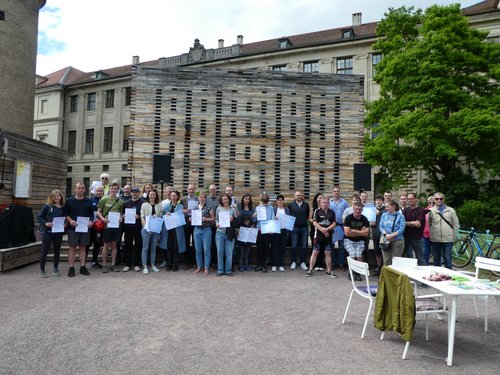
(335, 226)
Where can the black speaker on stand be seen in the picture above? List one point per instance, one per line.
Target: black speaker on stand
(362, 177)
(161, 170)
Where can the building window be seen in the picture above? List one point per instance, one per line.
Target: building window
(110, 98)
(2, 15)
(125, 167)
(69, 186)
(86, 183)
(279, 68)
(73, 103)
(344, 65)
(128, 96)
(105, 167)
(347, 33)
(71, 142)
(89, 141)
(284, 43)
(42, 137)
(69, 169)
(108, 139)
(376, 58)
(91, 101)
(44, 106)
(126, 135)
(124, 181)
(311, 67)
(86, 168)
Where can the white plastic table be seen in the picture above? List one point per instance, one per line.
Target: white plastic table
(447, 288)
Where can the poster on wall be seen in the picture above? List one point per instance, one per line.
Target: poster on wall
(22, 179)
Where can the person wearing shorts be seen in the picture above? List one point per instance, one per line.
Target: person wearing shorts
(111, 236)
(324, 223)
(356, 228)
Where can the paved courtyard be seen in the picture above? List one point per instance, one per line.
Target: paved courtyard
(180, 323)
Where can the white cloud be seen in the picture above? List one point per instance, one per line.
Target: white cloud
(97, 34)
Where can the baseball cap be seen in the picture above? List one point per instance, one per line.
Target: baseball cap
(135, 190)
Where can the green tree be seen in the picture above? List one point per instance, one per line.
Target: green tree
(439, 100)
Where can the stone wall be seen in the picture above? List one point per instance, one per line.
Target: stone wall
(257, 130)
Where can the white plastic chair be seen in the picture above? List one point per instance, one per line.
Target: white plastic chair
(365, 290)
(484, 264)
(424, 305)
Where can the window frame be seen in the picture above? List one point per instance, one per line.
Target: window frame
(91, 101)
(107, 139)
(345, 68)
(89, 143)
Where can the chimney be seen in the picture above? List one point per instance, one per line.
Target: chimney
(357, 19)
(239, 40)
(135, 60)
(221, 43)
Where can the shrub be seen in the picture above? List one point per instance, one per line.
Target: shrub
(480, 215)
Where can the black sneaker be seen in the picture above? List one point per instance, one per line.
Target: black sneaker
(309, 273)
(357, 277)
(95, 265)
(331, 274)
(71, 272)
(376, 272)
(84, 271)
(264, 269)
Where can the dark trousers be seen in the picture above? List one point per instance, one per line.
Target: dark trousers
(278, 248)
(189, 256)
(172, 254)
(263, 243)
(133, 247)
(213, 249)
(54, 239)
(96, 242)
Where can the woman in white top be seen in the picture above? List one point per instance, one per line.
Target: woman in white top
(151, 208)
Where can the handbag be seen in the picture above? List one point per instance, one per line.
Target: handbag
(98, 224)
(384, 245)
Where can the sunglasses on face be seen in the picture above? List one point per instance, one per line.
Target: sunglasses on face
(439, 199)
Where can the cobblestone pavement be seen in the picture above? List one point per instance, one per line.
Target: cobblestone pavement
(252, 323)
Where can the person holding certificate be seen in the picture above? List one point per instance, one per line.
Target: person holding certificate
(51, 220)
(264, 213)
(248, 220)
(132, 228)
(109, 211)
(172, 241)
(225, 244)
(202, 218)
(279, 240)
(150, 209)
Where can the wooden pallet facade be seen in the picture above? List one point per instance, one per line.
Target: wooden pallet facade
(257, 130)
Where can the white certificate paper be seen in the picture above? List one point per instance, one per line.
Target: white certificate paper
(192, 204)
(130, 215)
(82, 224)
(248, 235)
(196, 217)
(370, 213)
(58, 225)
(270, 226)
(153, 224)
(174, 220)
(114, 220)
(286, 221)
(261, 213)
(224, 219)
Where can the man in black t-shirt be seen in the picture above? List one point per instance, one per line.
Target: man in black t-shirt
(356, 228)
(324, 222)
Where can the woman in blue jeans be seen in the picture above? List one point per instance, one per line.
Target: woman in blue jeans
(224, 244)
(203, 234)
(151, 208)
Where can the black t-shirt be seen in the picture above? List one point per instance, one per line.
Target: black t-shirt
(353, 223)
(324, 219)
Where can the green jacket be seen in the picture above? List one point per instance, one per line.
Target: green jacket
(395, 303)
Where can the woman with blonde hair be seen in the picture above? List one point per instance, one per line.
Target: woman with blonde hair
(52, 209)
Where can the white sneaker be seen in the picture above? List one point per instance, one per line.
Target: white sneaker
(273, 269)
(163, 264)
(137, 268)
(126, 269)
(282, 269)
(303, 266)
(293, 266)
(318, 268)
(154, 269)
(145, 271)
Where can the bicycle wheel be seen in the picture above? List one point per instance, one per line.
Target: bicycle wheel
(461, 253)
(494, 253)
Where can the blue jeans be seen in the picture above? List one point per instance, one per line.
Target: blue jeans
(202, 243)
(417, 245)
(338, 255)
(224, 248)
(149, 242)
(427, 250)
(440, 249)
(299, 239)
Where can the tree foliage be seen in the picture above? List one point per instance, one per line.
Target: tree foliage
(439, 100)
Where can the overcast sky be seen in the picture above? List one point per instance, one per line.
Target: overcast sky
(99, 34)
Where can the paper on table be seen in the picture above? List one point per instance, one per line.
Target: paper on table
(196, 217)
(248, 235)
(270, 226)
(58, 225)
(261, 213)
(130, 215)
(114, 220)
(174, 220)
(224, 219)
(82, 224)
(286, 221)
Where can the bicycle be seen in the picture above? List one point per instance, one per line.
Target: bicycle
(462, 252)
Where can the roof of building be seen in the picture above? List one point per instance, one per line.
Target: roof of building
(486, 6)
